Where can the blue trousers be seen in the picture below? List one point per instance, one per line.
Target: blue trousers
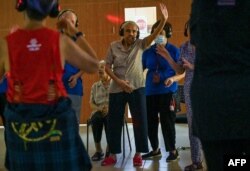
(137, 104)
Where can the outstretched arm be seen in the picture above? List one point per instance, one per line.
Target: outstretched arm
(79, 54)
(164, 17)
(169, 81)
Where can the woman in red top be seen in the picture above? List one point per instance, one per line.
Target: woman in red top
(41, 127)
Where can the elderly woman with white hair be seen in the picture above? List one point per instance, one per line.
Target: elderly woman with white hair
(99, 100)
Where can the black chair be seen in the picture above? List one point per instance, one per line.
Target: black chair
(123, 135)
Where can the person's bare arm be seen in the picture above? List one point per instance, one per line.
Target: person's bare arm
(76, 56)
(4, 62)
(164, 53)
(79, 53)
(73, 79)
(169, 81)
(164, 17)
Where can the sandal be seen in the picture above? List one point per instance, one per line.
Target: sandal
(97, 156)
(194, 167)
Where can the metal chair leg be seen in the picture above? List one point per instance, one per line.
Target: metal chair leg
(88, 136)
(126, 124)
(123, 137)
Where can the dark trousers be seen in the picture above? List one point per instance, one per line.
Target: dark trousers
(2, 105)
(159, 104)
(98, 122)
(216, 150)
(137, 105)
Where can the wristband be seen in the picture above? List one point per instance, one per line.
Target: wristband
(75, 37)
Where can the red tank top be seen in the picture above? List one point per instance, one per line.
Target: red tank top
(35, 67)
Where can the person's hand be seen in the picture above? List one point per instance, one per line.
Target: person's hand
(105, 109)
(72, 81)
(168, 82)
(164, 11)
(161, 50)
(187, 65)
(124, 84)
(67, 27)
(14, 28)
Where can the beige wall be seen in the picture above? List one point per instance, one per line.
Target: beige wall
(99, 30)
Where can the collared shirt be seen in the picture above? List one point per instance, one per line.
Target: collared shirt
(99, 94)
(126, 64)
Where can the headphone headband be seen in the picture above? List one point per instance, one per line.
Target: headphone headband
(51, 9)
(121, 30)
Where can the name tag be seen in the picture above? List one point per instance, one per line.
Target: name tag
(226, 2)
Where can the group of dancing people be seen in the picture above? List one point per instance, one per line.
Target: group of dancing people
(41, 109)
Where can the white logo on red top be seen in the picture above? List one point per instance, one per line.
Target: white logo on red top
(34, 46)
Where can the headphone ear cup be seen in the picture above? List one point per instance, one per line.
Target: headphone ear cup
(138, 34)
(21, 5)
(77, 24)
(169, 34)
(121, 32)
(55, 10)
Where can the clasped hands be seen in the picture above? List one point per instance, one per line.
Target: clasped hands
(124, 84)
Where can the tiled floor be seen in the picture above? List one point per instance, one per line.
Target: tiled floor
(125, 164)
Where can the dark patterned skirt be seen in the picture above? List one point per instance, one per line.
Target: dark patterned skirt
(44, 138)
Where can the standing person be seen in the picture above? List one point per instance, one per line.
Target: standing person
(159, 97)
(220, 89)
(72, 77)
(185, 67)
(99, 102)
(40, 125)
(124, 66)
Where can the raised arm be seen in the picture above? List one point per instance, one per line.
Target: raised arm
(76, 56)
(164, 53)
(164, 17)
(79, 54)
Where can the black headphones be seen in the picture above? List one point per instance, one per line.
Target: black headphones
(121, 29)
(66, 10)
(168, 30)
(21, 5)
(186, 29)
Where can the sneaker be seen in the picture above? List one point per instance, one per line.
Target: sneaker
(172, 156)
(108, 161)
(97, 156)
(137, 160)
(151, 154)
(194, 167)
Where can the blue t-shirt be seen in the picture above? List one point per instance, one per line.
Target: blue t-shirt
(150, 60)
(3, 85)
(70, 70)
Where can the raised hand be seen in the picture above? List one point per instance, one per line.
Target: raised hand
(161, 50)
(164, 11)
(67, 27)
